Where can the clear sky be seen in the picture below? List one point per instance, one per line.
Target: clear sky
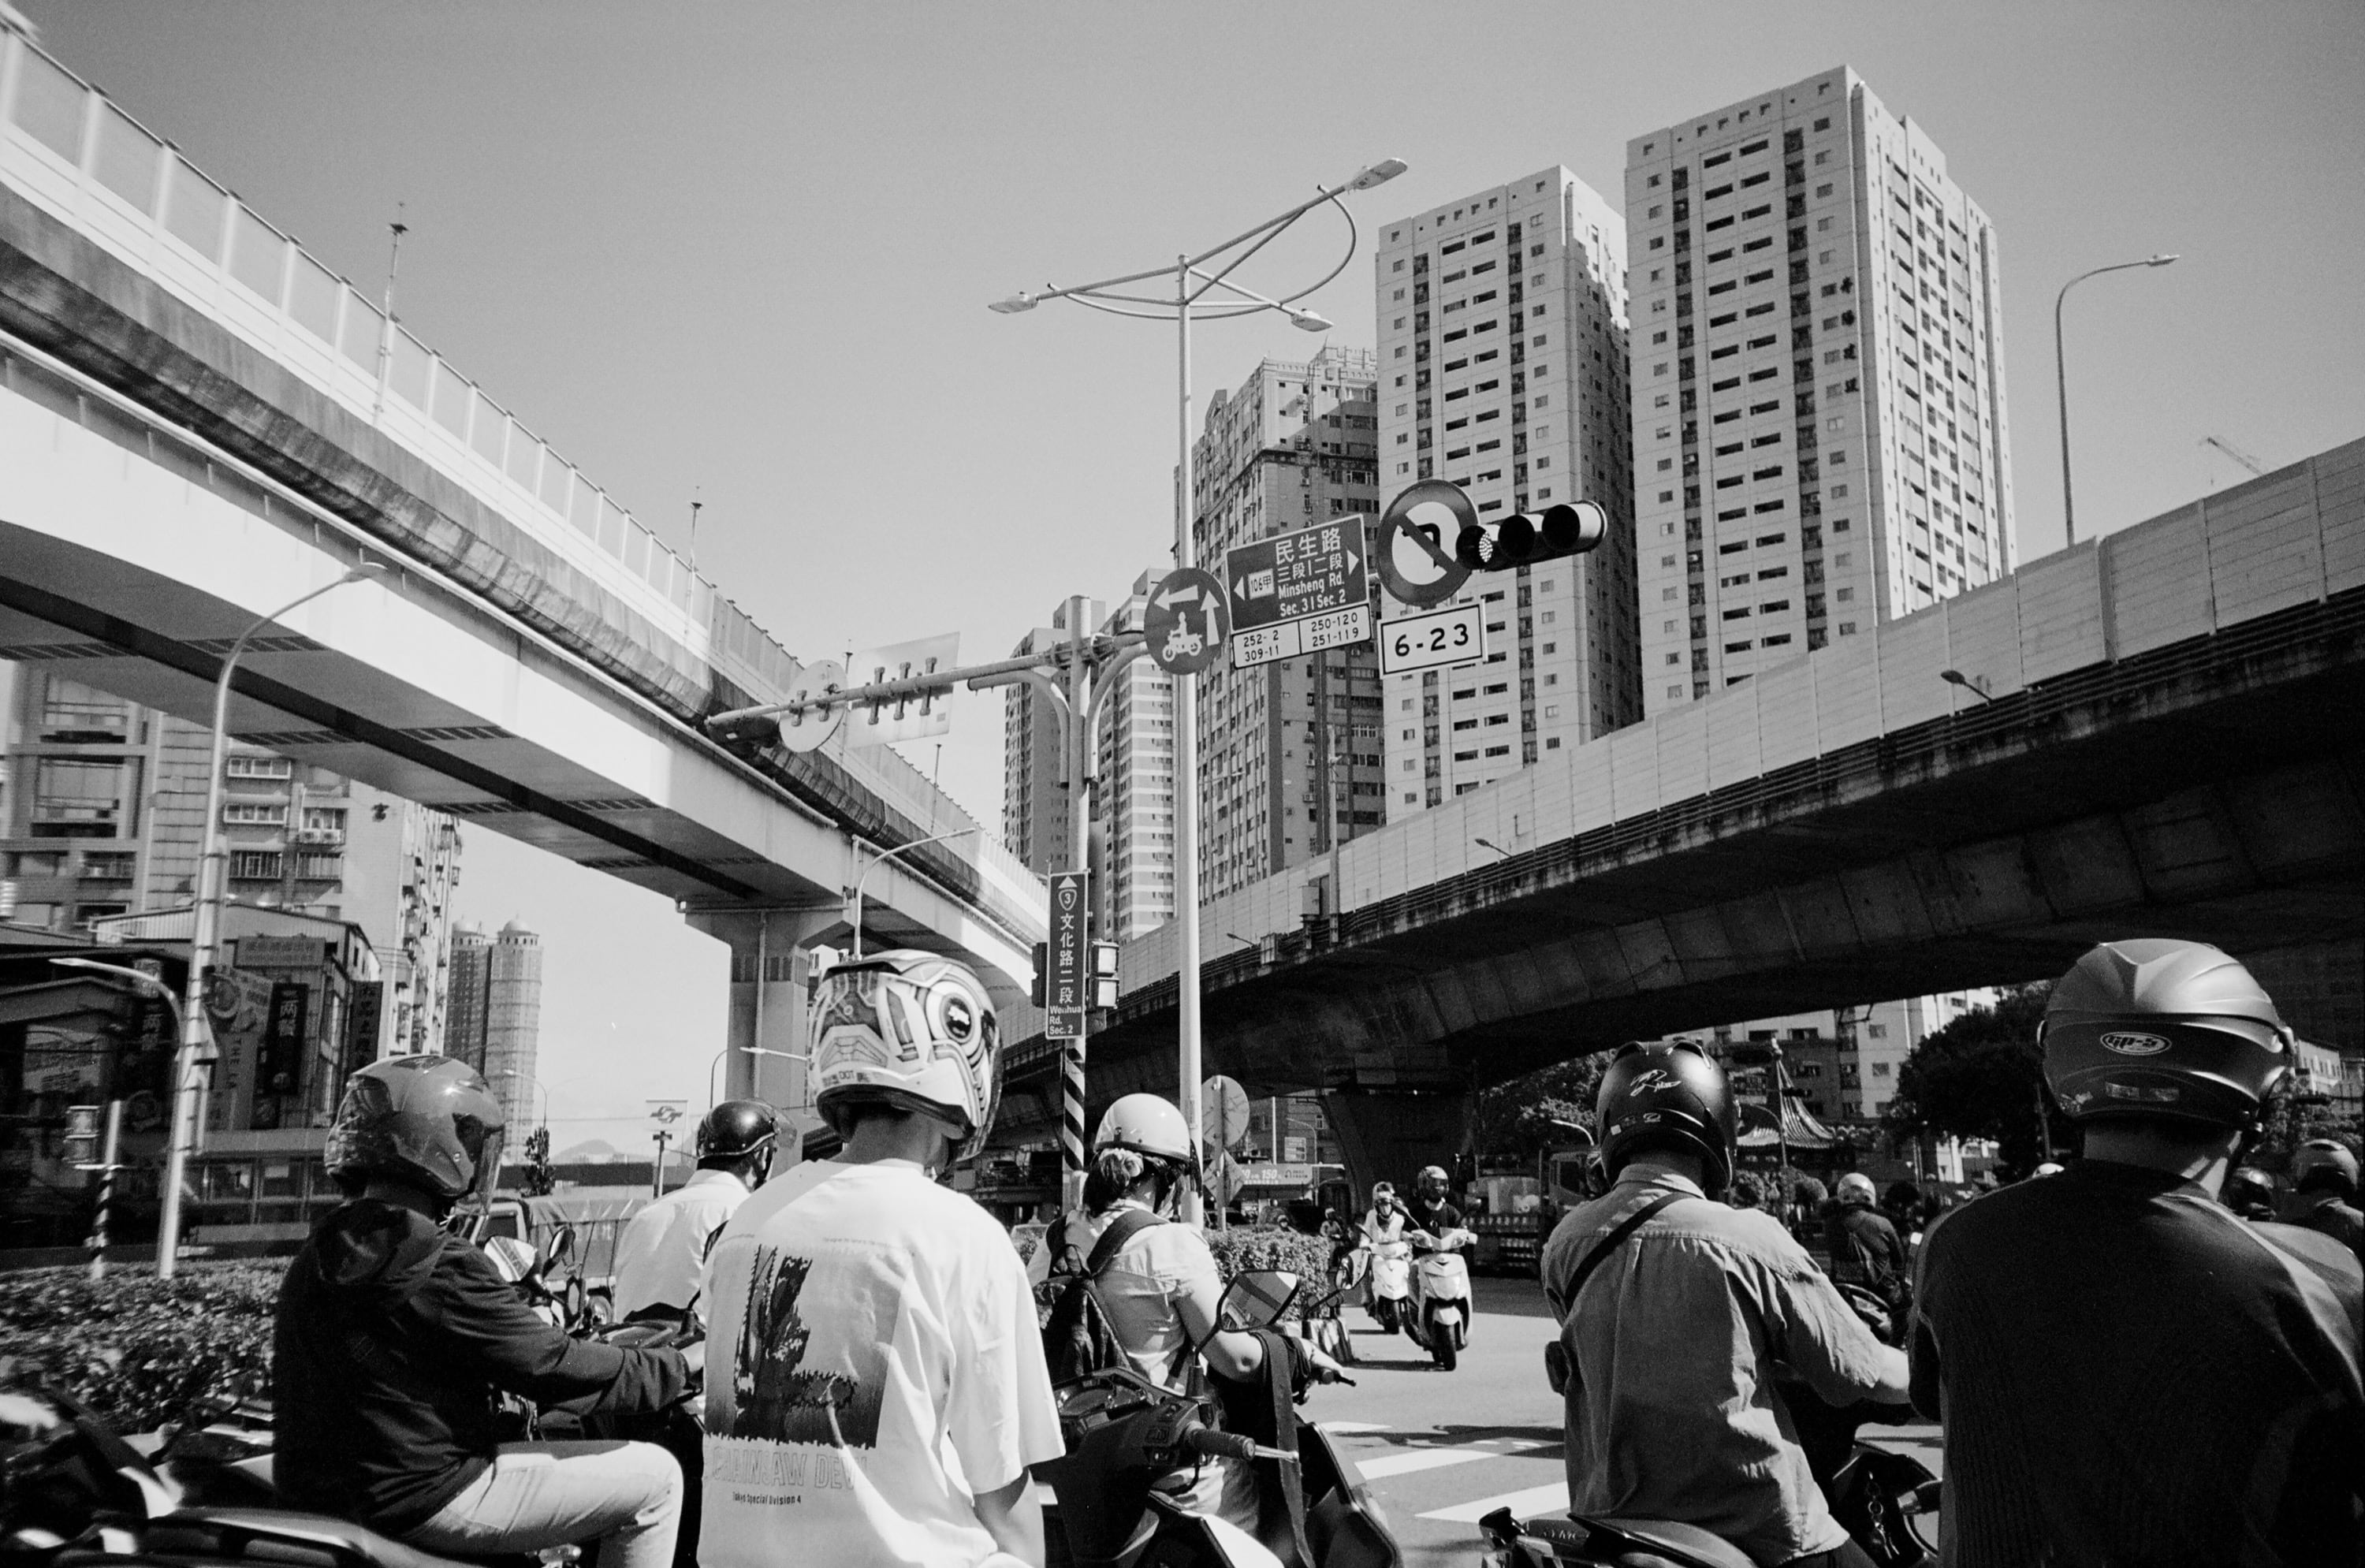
(743, 251)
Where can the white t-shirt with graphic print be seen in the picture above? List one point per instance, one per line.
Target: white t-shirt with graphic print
(873, 1365)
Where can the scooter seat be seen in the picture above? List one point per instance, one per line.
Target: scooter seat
(1690, 1545)
(341, 1539)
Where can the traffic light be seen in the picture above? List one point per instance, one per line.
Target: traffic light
(1570, 528)
(82, 1136)
(1038, 989)
(1104, 974)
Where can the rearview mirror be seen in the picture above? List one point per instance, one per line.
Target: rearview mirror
(1256, 1298)
(560, 1248)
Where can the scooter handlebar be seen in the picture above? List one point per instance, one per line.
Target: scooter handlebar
(1207, 1442)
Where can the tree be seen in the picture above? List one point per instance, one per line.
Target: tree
(1982, 1075)
(1519, 1119)
(2291, 1118)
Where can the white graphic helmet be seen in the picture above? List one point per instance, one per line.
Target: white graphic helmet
(910, 1029)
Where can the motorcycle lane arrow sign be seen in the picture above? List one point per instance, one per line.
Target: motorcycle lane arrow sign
(1187, 621)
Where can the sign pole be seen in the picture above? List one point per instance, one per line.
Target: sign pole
(1186, 757)
(106, 1168)
(1079, 739)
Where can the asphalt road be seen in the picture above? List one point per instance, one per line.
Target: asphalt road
(1442, 1449)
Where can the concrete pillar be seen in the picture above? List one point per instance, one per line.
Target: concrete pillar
(769, 969)
(1387, 1136)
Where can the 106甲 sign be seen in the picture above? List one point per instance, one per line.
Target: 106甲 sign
(1298, 593)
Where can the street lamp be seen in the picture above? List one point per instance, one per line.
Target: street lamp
(1489, 844)
(1969, 683)
(205, 938)
(855, 914)
(2061, 382)
(1194, 276)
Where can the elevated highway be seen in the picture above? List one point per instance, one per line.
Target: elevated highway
(199, 421)
(2164, 737)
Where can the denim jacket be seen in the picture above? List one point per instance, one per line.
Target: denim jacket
(1674, 1345)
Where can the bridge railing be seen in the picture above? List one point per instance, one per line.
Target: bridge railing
(71, 151)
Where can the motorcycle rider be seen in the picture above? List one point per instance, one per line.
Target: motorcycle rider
(1864, 1245)
(2126, 1373)
(394, 1335)
(1160, 1288)
(1431, 1210)
(881, 1388)
(1386, 1220)
(662, 1251)
(2323, 1199)
(1671, 1342)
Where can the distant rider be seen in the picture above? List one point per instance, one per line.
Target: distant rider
(1671, 1341)
(878, 1391)
(2126, 1373)
(662, 1251)
(1865, 1247)
(2324, 1178)
(395, 1337)
(1430, 1211)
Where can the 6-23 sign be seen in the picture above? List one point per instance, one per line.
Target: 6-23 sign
(1454, 635)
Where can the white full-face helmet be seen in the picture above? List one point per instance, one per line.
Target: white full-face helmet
(909, 1029)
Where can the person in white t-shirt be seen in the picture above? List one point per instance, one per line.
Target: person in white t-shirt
(877, 1387)
(662, 1253)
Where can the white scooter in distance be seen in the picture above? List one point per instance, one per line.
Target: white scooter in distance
(1438, 1314)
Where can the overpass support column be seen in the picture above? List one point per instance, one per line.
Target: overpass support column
(764, 1041)
(1388, 1134)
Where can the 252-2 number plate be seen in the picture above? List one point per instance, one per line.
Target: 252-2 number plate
(1454, 635)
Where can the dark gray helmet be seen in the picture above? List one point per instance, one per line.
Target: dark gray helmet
(737, 1129)
(427, 1121)
(1667, 1096)
(2161, 1028)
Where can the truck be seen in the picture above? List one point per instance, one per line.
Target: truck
(1516, 1207)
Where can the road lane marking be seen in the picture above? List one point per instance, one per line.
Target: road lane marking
(1552, 1499)
(1352, 1429)
(1416, 1460)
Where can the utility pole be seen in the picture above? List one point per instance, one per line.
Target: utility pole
(1075, 676)
(386, 326)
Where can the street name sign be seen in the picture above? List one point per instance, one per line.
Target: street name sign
(1454, 635)
(1068, 966)
(1298, 593)
(1187, 621)
(1416, 538)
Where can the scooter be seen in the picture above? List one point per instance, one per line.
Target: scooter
(1437, 1315)
(1387, 1283)
(1127, 1435)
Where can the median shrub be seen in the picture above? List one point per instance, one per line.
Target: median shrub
(138, 1351)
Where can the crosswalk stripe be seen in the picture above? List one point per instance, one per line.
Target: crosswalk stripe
(1350, 1429)
(1552, 1499)
(1416, 1460)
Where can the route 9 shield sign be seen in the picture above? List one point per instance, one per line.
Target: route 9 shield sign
(1454, 635)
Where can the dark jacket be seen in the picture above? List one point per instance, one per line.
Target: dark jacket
(1865, 1250)
(392, 1341)
(2327, 1214)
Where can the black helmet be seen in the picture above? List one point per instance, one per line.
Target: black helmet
(2161, 1028)
(2249, 1192)
(427, 1121)
(737, 1129)
(1667, 1096)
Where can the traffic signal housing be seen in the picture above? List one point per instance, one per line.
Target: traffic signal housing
(81, 1142)
(1103, 976)
(1038, 987)
(1523, 538)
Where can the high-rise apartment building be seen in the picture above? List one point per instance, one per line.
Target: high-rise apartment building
(493, 1021)
(1289, 752)
(1034, 821)
(102, 813)
(1818, 424)
(1133, 800)
(1502, 367)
